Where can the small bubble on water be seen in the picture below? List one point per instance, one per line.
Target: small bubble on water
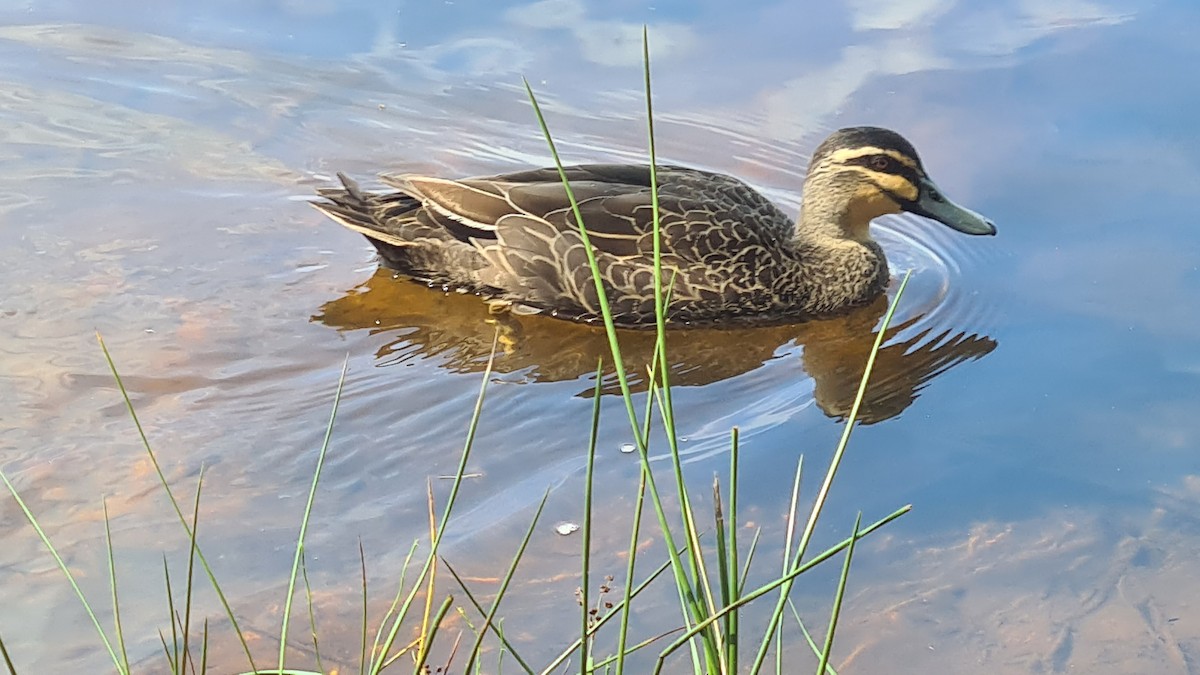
(566, 528)
(628, 448)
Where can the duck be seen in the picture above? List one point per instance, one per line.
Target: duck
(729, 255)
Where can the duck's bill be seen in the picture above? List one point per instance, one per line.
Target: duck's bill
(933, 204)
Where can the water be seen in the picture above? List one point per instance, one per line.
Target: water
(1035, 404)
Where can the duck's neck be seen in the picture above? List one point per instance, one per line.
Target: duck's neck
(838, 209)
(843, 266)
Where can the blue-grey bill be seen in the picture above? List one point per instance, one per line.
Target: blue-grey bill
(933, 204)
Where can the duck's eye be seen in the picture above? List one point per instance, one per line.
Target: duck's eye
(881, 163)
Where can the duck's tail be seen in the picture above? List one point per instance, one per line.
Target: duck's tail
(358, 210)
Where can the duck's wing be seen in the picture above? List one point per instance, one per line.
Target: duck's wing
(704, 216)
(717, 233)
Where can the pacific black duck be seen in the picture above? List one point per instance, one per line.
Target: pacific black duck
(734, 256)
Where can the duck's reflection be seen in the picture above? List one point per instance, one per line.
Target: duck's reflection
(459, 330)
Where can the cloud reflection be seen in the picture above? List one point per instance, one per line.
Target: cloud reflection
(604, 42)
(920, 35)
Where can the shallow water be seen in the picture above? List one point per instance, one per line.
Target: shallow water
(1035, 403)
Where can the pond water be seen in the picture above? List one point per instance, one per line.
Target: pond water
(1036, 402)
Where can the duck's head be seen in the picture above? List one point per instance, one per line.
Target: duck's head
(861, 173)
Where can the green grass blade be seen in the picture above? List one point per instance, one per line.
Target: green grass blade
(62, 566)
(787, 554)
(167, 650)
(712, 641)
(726, 590)
(681, 580)
(812, 644)
(455, 485)
(490, 617)
(703, 604)
(8, 662)
(312, 496)
(586, 544)
(395, 600)
(627, 589)
(730, 575)
(834, 463)
(362, 559)
(204, 650)
(312, 617)
(423, 654)
(173, 654)
(112, 582)
(495, 629)
(641, 645)
(610, 328)
(749, 559)
(838, 597)
(187, 611)
(162, 479)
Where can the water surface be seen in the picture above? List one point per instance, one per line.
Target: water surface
(1035, 401)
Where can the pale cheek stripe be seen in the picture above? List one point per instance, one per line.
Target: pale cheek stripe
(847, 154)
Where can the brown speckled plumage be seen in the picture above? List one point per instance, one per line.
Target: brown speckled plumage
(734, 256)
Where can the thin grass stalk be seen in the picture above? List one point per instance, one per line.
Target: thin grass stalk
(605, 663)
(681, 579)
(423, 654)
(312, 618)
(455, 484)
(586, 544)
(187, 611)
(837, 599)
(416, 642)
(770, 586)
(308, 505)
(635, 531)
(453, 651)
(8, 662)
(62, 566)
(112, 581)
(610, 328)
(812, 644)
(631, 557)
(362, 559)
(484, 613)
(749, 559)
(176, 665)
(387, 617)
(204, 650)
(787, 554)
(713, 646)
(834, 463)
(617, 610)
(489, 618)
(731, 575)
(431, 579)
(166, 650)
(162, 479)
(705, 605)
(727, 590)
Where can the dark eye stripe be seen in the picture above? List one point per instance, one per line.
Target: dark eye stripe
(894, 168)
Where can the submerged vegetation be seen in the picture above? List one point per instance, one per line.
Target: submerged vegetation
(708, 559)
